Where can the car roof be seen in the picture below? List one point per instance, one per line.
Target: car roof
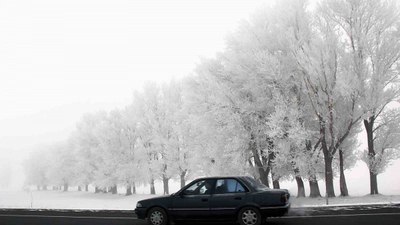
(221, 177)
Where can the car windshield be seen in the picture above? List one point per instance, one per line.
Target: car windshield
(256, 184)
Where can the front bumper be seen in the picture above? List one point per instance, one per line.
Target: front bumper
(141, 213)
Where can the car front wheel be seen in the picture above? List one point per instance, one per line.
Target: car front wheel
(157, 216)
(249, 216)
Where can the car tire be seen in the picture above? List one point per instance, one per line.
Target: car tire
(157, 216)
(249, 216)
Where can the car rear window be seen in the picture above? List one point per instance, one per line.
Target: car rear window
(228, 186)
(255, 184)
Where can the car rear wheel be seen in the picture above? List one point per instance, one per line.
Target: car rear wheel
(157, 216)
(249, 216)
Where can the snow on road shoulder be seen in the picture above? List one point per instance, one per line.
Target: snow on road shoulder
(69, 200)
(346, 201)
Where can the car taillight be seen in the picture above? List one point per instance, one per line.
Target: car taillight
(284, 198)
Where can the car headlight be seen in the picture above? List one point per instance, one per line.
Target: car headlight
(138, 205)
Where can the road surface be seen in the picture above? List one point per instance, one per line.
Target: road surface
(369, 215)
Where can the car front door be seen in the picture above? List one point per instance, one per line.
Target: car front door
(229, 194)
(193, 202)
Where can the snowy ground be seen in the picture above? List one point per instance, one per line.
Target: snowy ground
(84, 200)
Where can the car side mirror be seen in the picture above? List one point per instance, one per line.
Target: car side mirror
(181, 194)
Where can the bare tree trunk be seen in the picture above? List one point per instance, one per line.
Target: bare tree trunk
(314, 187)
(343, 186)
(275, 180)
(79, 188)
(128, 190)
(300, 184)
(65, 187)
(275, 184)
(374, 183)
(300, 187)
(183, 180)
(114, 189)
(369, 125)
(166, 185)
(330, 191)
(133, 188)
(260, 168)
(97, 190)
(152, 188)
(263, 172)
(86, 187)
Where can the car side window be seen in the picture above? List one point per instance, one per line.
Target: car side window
(202, 187)
(228, 186)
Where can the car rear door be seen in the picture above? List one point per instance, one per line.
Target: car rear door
(229, 194)
(194, 202)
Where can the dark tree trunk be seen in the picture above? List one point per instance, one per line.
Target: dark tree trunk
(330, 191)
(300, 187)
(369, 126)
(263, 176)
(97, 190)
(343, 186)
(133, 188)
(166, 185)
(152, 188)
(300, 184)
(262, 172)
(128, 190)
(114, 189)
(86, 187)
(65, 187)
(314, 187)
(374, 183)
(275, 179)
(275, 184)
(183, 179)
(79, 188)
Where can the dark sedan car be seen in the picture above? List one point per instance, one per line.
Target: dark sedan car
(241, 199)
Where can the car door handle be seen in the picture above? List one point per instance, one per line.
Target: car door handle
(204, 199)
(238, 198)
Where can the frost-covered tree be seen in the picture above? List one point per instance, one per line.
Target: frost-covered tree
(150, 130)
(6, 172)
(386, 142)
(180, 133)
(287, 130)
(321, 60)
(88, 148)
(129, 164)
(62, 171)
(217, 137)
(36, 168)
(371, 34)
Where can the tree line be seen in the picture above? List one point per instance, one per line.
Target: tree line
(285, 100)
